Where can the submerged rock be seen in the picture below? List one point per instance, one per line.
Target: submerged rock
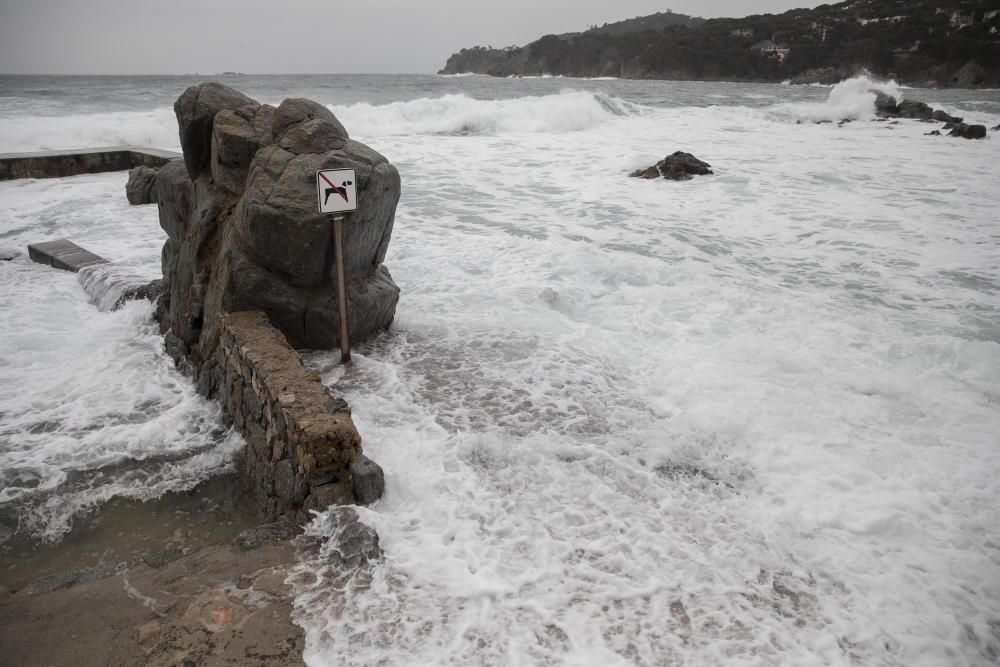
(677, 167)
(141, 186)
(8, 252)
(352, 545)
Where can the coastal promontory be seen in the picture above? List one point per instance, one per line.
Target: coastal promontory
(942, 43)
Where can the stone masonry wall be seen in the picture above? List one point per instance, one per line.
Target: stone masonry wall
(303, 450)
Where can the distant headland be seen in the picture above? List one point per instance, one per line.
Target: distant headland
(939, 43)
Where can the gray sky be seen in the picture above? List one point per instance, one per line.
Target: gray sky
(301, 36)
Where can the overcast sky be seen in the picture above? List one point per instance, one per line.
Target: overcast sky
(302, 36)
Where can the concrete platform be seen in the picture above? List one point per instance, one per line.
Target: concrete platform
(56, 164)
(63, 254)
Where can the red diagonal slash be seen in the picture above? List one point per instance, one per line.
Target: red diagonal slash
(339, 190)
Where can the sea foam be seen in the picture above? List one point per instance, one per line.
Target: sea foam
(747, 419)
(458, 114)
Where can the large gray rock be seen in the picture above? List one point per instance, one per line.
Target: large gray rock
(141, 186)
(243, 228)
(196, 109)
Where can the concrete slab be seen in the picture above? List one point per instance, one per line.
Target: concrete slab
(63, 254)
(56, 164)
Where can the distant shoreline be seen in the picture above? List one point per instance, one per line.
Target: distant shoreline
(908, 84)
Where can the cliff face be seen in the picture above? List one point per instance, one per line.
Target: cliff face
(921, 42)
(476, 60)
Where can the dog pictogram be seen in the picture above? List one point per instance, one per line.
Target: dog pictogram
(339, 189)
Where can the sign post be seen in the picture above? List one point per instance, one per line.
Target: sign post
(337, 195)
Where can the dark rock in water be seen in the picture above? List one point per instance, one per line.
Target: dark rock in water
(944, 117)
(968, 131)
(149, 292)
(369, 480)
(353, 545)
(243, 228)
(677, 167)
(141, 186)
(823, 122)
(951, 125)
(196, 109)
(915, 109)
(934, 133)
(996, 128)
(884, 103)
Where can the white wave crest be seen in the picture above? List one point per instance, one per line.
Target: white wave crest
(567, 111)
(157, 128)
(852, 98)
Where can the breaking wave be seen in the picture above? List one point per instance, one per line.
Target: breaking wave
(156, 127)
(567, 111)
(852, 98)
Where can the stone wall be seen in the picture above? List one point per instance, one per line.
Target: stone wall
(57, 164)
(303, 450)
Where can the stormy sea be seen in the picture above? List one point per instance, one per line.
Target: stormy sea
(748, 419)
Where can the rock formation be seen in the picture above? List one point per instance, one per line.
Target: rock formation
(244, 232)
(141, 186)
(886, 107)
(677, 167)
(247, 277)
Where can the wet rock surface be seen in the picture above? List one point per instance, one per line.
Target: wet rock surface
(303, 451)
(886, 107)
(217, 606)
(677, 167)
(244, 230)
(248, 270)
(141, 186)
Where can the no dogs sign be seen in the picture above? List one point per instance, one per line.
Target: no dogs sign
(336, 190)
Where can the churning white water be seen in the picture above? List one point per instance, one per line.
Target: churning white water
(90, 405)
(749, 419)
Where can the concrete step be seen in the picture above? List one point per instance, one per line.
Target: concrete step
(63, 254)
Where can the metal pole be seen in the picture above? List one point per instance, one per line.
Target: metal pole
(338, 257)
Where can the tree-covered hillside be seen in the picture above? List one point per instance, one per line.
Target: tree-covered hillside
(923, 42)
